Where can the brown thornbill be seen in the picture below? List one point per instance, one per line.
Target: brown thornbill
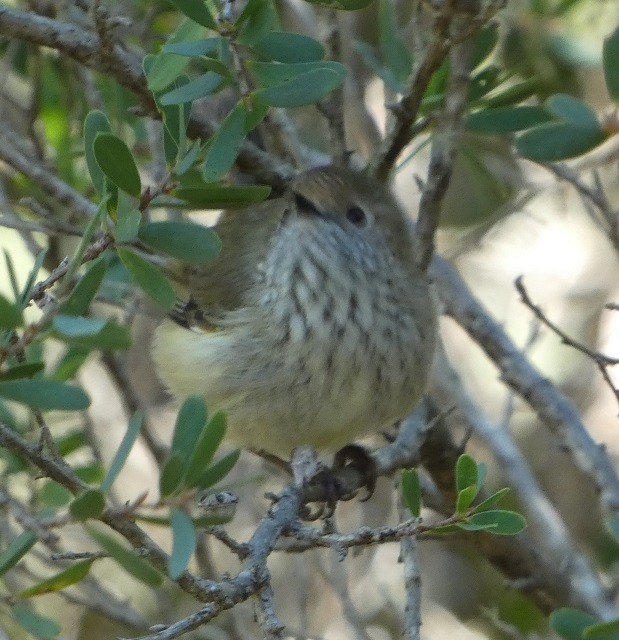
(314, 326)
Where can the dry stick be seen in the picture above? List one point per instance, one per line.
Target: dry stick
(602, 361)
(124, 66)
(552, 407)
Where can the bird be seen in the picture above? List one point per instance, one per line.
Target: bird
(314, 326)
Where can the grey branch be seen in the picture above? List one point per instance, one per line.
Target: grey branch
(552, 407)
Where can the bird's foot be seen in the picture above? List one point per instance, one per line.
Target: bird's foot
(357, 458)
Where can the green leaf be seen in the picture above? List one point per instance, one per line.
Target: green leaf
(110, 338)
(190, 158)
(465, 498)
(86, 288)
(70, 442)
(116, 161)
(572, 110)
(611, 64)
(224, 145)
(285, 46)
(190, 423)
(571, 623)
(88, 504)
(26, 370)
(394, 54)
(10, 314)
(484, 44)
(127, 559)
(482, 472)
(411, 490)
(94, 123)
(205, 46)
(273, 74)
(491, 500)
(54, 495)
(16, 550)
(507, 119)
(69, 364)
(194, 243)
(66, 578)
(499, 522)
(183, 543)
(150, 279)
(45, 394)
(126, 444)
(205, 448)
(218, 471)
(304, 89)
(90, 473)
(77, 326)
(608, 630)
(343, 5)
(128, 218)
(222, 196)
(32, 276)
(197, 11)
(255, 21)
(557, 141)
(466, 472)
(201, 87)
(34, 623)
(163, 69)
(172, 474)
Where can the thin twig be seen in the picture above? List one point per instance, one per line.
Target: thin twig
(601, 360)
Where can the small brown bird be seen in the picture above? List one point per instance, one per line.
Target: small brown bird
(313, 326)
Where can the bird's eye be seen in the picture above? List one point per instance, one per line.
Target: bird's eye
(357, 216)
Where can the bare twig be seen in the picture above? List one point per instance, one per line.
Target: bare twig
(601, 360)
(554, 409)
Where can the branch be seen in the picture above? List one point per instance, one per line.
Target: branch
(559, 557)
(552, 408)
(601, 360)
(85, 47)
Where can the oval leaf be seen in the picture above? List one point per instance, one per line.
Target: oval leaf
(465, 498)
(16, 550)
(150, 279)
(45, 394)
(194, 89)
(571, 110)
(557, 141)
(205, 448)
(224, 145)
(270, 74)
(197, 11)
(183, 543)
(218, 471)
(89, 504)
(190, 242)
(284, 46)
(570, 623)
(466, 472)
(507, 119)
(35, 624)
(190, 423)
(196, 48)
(221, 197)
(77, 326)
(171, 474)
(492, 500)
(608, 630)
(85, 290)
(94, 123)
(26, 370)
(611, 64)
(73, 574)
(126, 444)
(305, 89)
(116, 161)
(507, 523)
(127, 559)
(411, 490)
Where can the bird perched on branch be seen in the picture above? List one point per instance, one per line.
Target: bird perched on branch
(313, 326)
